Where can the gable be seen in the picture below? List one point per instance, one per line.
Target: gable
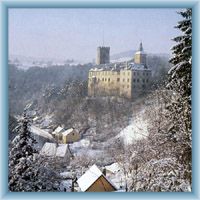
(101, 185)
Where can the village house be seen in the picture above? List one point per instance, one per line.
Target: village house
(95, 181)
(57, 133)
(113, 168)
(41, 136)
(52, 150)
(71, 135)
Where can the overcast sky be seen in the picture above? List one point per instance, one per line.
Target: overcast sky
(76, 33)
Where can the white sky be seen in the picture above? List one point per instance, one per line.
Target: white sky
(76, 33)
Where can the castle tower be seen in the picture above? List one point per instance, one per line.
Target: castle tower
(140, 56)
(103, 55)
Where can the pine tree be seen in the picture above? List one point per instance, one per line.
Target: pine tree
(21, 157)
(27, 171)
(180, 83)
(181, 72)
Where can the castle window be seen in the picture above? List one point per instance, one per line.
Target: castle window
(143, 81)
(147, 80)
(118, 79)
(138, 80)
(123, 79)
(108, 79)
(105, 79)
(102, 79)
(128, 80)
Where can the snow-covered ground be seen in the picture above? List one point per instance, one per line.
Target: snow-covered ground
(84, 143)
(137, 129)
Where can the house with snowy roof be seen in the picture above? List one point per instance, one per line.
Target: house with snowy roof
(113, 168)
(53, 150)
(70, 135)
(41, 136)
(57, 133)
(93, 180)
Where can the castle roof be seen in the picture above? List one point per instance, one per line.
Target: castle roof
(136, 66)
(122, 66)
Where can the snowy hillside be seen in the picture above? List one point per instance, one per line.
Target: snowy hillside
(136, 130)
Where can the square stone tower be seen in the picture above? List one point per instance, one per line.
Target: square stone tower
(103, 55)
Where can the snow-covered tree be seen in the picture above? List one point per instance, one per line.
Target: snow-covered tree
(180, 82)
(181, 72)
(20, 157)
(27, 171)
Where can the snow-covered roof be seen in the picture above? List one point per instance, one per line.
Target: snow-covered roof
(62, 150)
(68, 131)
(113, 167)
(137, 66)
(49, 149)
(122, 66)
(40, 132)
(59, 129)
(90, 176)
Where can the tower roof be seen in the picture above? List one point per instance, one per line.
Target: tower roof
(141, 47)
(140, 50)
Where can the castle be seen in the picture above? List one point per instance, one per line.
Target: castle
(125, 79)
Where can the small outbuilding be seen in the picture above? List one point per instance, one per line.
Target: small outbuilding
(53, 150)
(95, 181)
(49, 149)
(57, 133)
(71, 135)
(113, 168)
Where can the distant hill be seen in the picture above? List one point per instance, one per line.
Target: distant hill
(127, 55)
(117, 56)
